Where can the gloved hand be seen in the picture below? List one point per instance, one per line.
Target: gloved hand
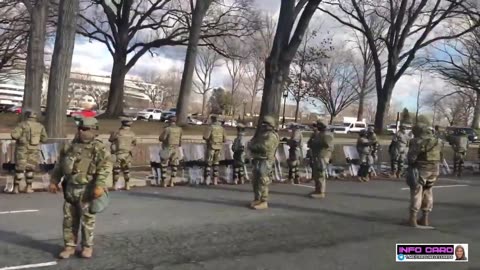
(53, 188)
(98, 192)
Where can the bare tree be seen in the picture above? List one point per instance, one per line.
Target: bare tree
(288, 38)
(170, 83)
(331, 83)
(456, 108)
(35, 67)
(98, 95)
(207, 62)
(419, 94)
(260, 46)
(411, 26)
(236, 65)
(60, 68)
(458, 62)
(13, 35)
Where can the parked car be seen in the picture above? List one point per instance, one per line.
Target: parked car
(392, 128)
(167, 114)
(471, 133)
(230, 123)
(349, 128)
(149, 115)
(193, 121)
(5, 107)
(15, 109)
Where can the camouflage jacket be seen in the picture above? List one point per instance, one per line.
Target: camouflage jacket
(215, 136)
(30, 134)
(171, 136)
(320, 144)
(83, 163)
(425, 150)
(264, 145)
(123, 140)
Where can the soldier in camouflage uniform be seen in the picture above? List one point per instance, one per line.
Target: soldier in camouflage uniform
(374, 147)
(460, 147)
(294, 155)
(84, 164)
(424, 155)
(238, 148)
(321, 148)
(214, 137)
(171, 139)
(398, 151)
(28, 136)
(365, 155)
(123, 142)
(263, 147)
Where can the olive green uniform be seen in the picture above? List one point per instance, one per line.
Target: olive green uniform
(365, 156)
(28, 135)
(321, 148)
(171, 139)
(424, 157)
(123, 141)
(263, 147)
(238, 148)
(460, 147)
(215, 138)
(294, 155)
(84, 166)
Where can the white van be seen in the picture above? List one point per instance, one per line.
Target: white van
(355, 127)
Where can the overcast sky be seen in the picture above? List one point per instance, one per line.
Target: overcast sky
(93, 57)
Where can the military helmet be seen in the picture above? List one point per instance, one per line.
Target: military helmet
(321, 124)
(30, 114)
(213, 118)
(88, 122)
(269, 120)
(370, 130)
(126, 121)
(363, 132)
(172, 119)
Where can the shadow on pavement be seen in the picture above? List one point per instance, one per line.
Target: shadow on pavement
(28, 242)
(240, 189)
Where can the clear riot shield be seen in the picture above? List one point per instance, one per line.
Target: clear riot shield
(8, 165)
(194, 156)
(227, 171)
(304, 162)
(154, 151)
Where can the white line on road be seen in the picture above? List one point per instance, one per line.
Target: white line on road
(455, 180)
(300, 185)
(18, 211)
(442, 186)
(28, 266)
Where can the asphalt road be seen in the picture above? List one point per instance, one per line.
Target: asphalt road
(355, 227)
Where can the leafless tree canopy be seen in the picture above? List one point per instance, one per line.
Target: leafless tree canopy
(207, 62)
(13, 35)
(411, 25)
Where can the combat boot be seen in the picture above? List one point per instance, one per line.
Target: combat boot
(163, 184)
(393, 174)
(412, 221)
(15, 189)
(29, 189)
(424, 219)
(114, 185)
(87, 252)
(317, 195)
(361, 179)
(171, 184)
(127, 185)
(215, 181)
(398, 174)
(67, 252)
(261, 205)
(241, 181)
(253, 203)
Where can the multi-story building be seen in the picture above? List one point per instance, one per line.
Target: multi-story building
(11, 92)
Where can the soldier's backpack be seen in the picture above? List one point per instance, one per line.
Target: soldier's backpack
(34, 133)
(217, 135)
(174, 136)
(124, 140)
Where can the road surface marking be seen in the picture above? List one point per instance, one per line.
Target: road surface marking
(300, 185)
(18, 211)
(442, 186)
(28, 266)
(455, 180)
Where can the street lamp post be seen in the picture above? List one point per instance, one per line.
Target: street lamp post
(285, 95)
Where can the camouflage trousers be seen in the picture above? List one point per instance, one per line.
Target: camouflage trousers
(458, 161)
(366, 162)
(76, 215)
(262, 172)
(397, 160)
(26, 160)
(421, 194)
(169, 158)
(239, 166)
(293, 170)
(212, 160)
(123, 162)
(319, 172)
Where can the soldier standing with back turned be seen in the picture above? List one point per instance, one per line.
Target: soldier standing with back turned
(171, 139)
(28, 136)
(123, 142)
(321, 148)
(85, 165)
(214, 137)
(424, 157)
(374, 147)
(238, 148)
(398, 151)
(294, 153)
(460, 147)
(365, 158)
(263, 147)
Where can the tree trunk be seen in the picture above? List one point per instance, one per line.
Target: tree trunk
(383, 105)
(297, 110)
(117, 84)
(35, 66)
(60, 69)
(275, 76)
(204, 100)
(332, 116)
(252, 107)
(361, 104)
(476, 112)
(190, 60)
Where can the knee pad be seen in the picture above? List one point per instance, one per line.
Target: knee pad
(29, 175)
